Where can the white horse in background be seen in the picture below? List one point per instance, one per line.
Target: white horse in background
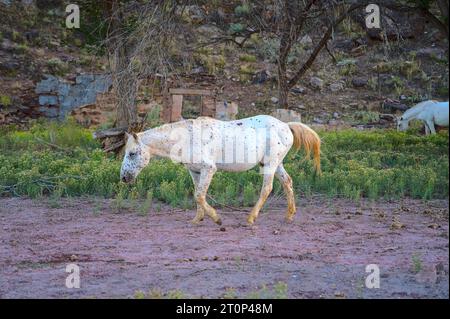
(430, 112)
(205, 145)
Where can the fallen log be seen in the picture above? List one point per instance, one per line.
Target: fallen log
(109, 132)
(114, 147)
(114, 138)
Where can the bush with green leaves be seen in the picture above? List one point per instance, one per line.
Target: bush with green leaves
(62, 159)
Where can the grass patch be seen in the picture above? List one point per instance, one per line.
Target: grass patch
(62, 159)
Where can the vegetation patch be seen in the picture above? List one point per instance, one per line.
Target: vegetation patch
(62, 159)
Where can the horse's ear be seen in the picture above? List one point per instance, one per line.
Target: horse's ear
(132, 135)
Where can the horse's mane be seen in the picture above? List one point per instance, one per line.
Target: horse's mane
(417, 108)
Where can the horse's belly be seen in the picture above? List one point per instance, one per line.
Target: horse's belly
(235, 167)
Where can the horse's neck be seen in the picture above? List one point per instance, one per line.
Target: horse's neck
(412, 112)
(159, 140)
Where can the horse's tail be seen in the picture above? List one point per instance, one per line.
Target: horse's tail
(306, 137)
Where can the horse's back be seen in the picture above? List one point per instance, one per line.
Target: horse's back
(259, 121)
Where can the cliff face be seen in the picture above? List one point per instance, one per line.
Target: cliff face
(47, 70)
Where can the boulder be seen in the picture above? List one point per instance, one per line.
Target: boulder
(298, 90)
(337, 86)
(359, 82)
(316, 83)
(260, 77)
(306, 41)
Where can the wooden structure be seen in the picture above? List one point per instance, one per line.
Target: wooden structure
(173, 103)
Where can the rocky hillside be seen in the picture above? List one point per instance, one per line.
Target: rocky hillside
(47, 70)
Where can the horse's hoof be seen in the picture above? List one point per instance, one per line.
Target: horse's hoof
(289, 220)
(250, 221)
(196, 221)
(219, 221)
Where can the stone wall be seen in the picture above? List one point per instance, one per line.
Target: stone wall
(57, 97)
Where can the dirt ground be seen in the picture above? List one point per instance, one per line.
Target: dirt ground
(322, 254)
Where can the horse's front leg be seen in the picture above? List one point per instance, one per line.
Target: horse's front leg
(431, 127)
(206, 175)
(200, 212)
(265, 192)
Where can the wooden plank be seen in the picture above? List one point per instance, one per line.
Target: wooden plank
(191, 92)
(177, 105)
(109, 132)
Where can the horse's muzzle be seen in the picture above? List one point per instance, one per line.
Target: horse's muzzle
(127, 178)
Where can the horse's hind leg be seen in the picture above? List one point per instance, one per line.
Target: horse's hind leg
(200, 212)
(265, 191)
(205, 178)
(286, 181)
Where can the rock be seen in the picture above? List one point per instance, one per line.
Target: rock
(337, 86)
(298, 90)
(274, 99)
(333, 123)
(318, 121)
(67, 96)
(431, 52)
(287, 115)
(198, 70)
(306, 41)
(301, 107)
(395, 25)
(7, 45)
(32, 35)
(48, 85)
(336, 115)
(260, 77)
(195, 13)
(49, 111)
(48, 100)
(9, 66)
(208, 31)
(316, 82)
(359, 82)
(343, 44)
(226, 111)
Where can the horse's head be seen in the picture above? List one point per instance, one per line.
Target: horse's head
(402, 124)
(135, 159)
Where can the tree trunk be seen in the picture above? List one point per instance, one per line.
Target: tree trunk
(124, 83)
(283, 92)
(125, 86)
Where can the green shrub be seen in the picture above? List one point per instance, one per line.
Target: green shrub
(247, 58)
(62, 159)
(242, 10)
(236, 28)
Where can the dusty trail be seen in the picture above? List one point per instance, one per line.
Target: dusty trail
(323, 253)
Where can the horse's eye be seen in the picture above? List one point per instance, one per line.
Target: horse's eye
(132, 154)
